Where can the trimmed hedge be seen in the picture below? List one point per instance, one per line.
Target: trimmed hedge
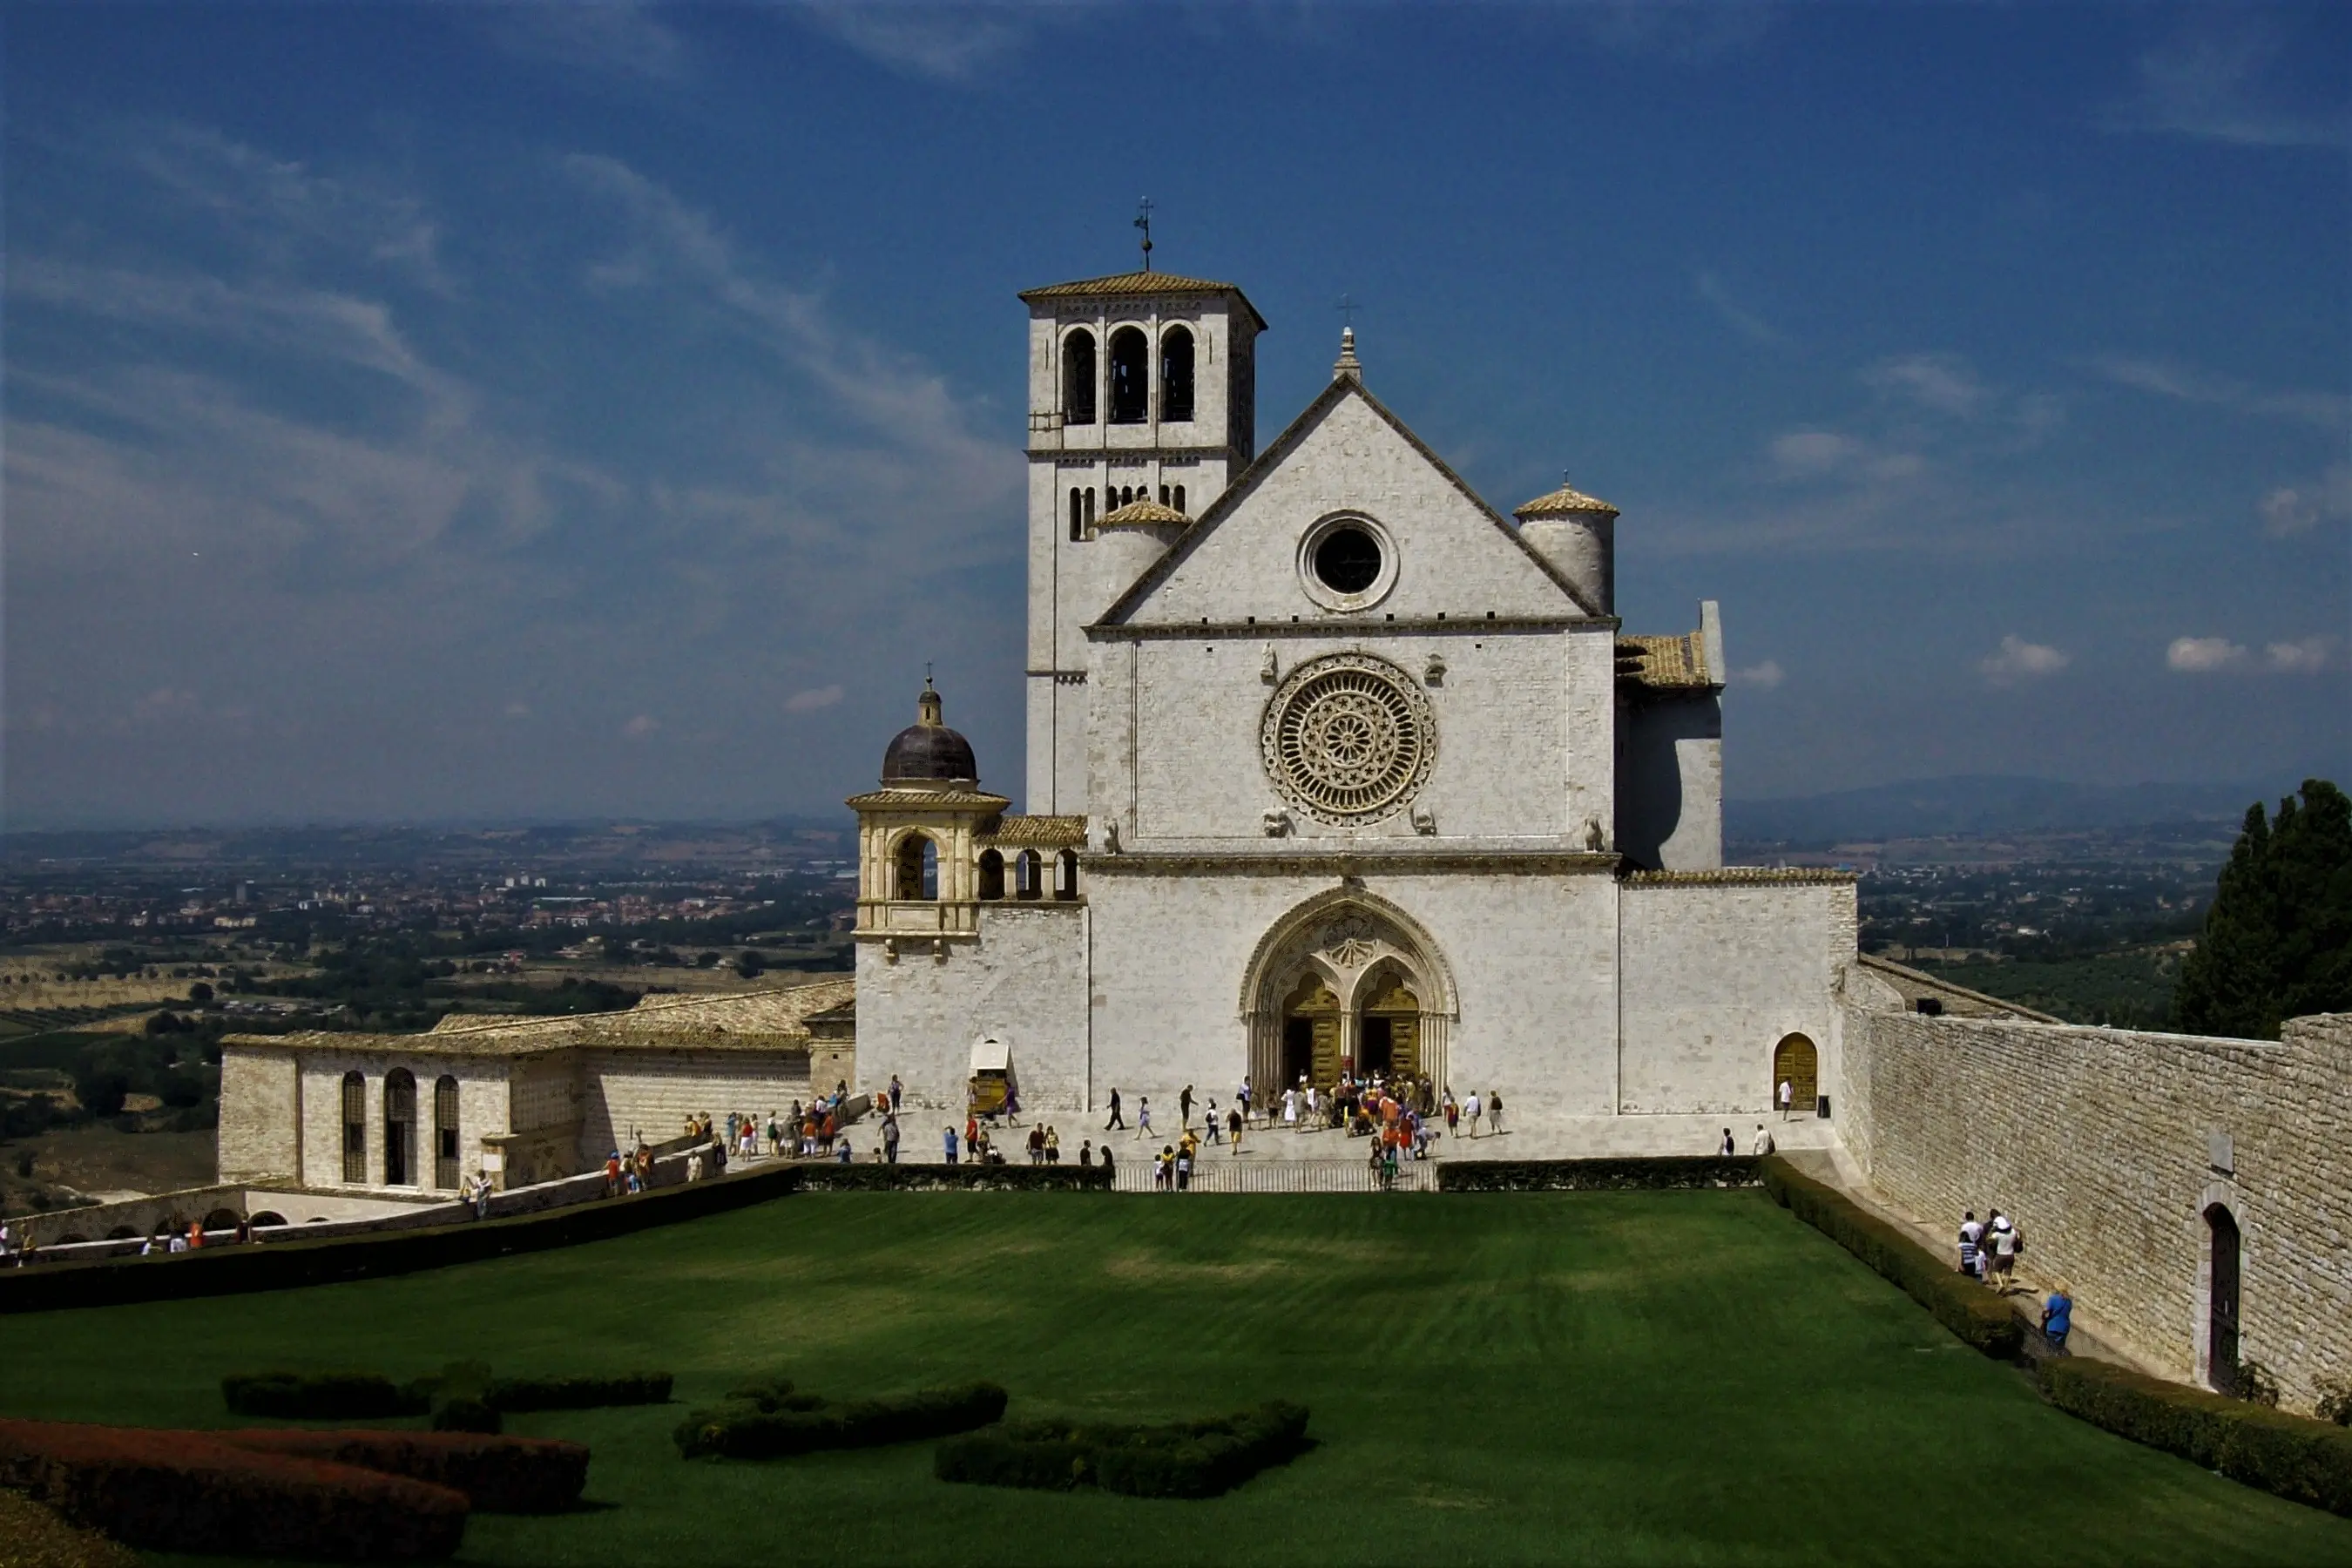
(189, 1491)
(1671, 1174)
(2308, 1461)
(515, 1394)
(286, 1265)
(497, 1475)
(1977, 1315)
(1184, 1459)
(745, 1431)
(773, 1394)
(322, 1395)
(1004, 1178)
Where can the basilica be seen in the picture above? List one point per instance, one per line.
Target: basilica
(1331, 768)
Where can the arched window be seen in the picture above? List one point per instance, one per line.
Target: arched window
(2222, 1304)
(919, 869)
(444, 1132)
(1126, 494)
(1179, 500)
(991, 874)
(1027, 875)
(1079, 378)
(399, 1129)
(1078, 513)
(1090, 504)
(1130, 387)
(1066, 874)
(355, 1127)
(1176, 374)
(1163, 495)
(268, 1216)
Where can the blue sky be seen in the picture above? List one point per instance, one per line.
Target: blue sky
(433, 411)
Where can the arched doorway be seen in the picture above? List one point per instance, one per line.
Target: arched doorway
(1347, 983)
(1310, 1033)
(399, 1129)
(2224, 1274)
(1798, 1064)
(1388, 1025)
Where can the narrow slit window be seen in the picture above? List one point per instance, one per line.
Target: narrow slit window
(1176, 374)
(1079, 378)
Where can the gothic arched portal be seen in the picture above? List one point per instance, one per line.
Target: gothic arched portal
(1347, 982)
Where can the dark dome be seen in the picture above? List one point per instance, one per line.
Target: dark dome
(927, 752)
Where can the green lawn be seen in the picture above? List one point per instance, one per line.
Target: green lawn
(1675, 1377)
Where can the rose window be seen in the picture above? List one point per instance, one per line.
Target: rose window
(1349, 738)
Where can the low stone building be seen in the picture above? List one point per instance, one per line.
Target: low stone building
(519, 1100)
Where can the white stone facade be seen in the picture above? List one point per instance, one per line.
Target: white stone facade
(1331, 746)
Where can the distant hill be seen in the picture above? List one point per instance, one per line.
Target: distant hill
(1971, 804)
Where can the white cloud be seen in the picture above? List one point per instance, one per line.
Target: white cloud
(1741, 319)
(2291, 509)
(640, 728)
(2017, 659)
(1766, 675)
(2308, 656)
(958, 43)
(1803, 452)
(809, 701)
(613, 37)
(1942, 381)
(2205, 656)
(2212, 81)
(2163, 378)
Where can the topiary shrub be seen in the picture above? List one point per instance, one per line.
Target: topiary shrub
(321, 1396)
(2309, 1461)
(189, 1491)
(1979, 1316)
(497, 1475)
(1183, 1459)
(744, 1431)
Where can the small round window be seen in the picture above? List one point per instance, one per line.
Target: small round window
(1348, 560)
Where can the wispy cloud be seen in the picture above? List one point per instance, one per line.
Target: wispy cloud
(617, 39)
(1710, 289)
(2217, 81)
(2183, 384)
(955, 44)
(2205, 656)
(811, 700)
(2018, 660)
(1943, 383)
(2292, 509)
(2304, 655)
(1764, 676)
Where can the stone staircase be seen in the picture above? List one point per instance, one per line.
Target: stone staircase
(1212, 1175)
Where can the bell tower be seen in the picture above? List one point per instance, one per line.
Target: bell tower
(1142, 407)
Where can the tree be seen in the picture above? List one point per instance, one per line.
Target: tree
(2277, 943)
(200, 993)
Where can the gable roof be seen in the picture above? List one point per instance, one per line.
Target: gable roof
(1140, 283)
(1341, 388)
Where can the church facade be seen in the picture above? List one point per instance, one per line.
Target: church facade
(1332, 767)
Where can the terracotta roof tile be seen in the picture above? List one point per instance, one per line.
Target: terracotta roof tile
(1142, 283)
(1142, 510)
(1565, 502)
(1666, 664)
(1035, 832)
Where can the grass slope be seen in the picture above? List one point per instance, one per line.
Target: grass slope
(1672, 1377)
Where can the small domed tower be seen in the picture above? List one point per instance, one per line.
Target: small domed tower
(917, 868)
(1577, 534)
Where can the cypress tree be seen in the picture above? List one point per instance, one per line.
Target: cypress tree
(2277, 942)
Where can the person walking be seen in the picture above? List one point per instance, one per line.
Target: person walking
(2005, 1243)
(1086, 1153)
(1787, 1098)
(1107, 1162)
(1472, 1110)
(1495, 1112)
(1143, 1117)
(2058, 1317)
(1972, 1244)
(1453, 1114)
(1216, 1124)
(1116, 1122)
(1235, 1122)
(890, 1138)
(948, 1138)
(1728, 1149)
(895, 1091)
(1053, 1146)
(1184, 1107)
(1763, 1141)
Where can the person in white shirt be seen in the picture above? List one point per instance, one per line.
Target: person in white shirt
(1763, 1140)
(1787, 1098)
(1972, 1244)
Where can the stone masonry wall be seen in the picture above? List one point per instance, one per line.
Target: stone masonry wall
(260, 1133)
(2106, 1144)
(650, 1093)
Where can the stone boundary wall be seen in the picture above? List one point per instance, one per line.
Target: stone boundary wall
(2108, 1145)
